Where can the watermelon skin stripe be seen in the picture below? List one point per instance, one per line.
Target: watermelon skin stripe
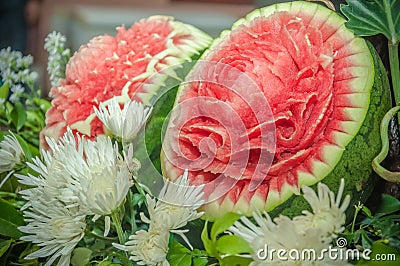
(355, 164)
(346, 147)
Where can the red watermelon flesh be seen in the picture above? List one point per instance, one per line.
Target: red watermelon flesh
(125, 66)
(316, 77)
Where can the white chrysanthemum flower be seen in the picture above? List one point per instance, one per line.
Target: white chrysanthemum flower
(123, 123)
(147, 247)
(97, 175)
(55, 220)
(89, 175)
(53, 177)
(327, 213)
(302, 234)
(176, 205)
(10, 153)
(54, 229)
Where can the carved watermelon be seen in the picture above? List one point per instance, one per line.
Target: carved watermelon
(327, 91)
(128, 65)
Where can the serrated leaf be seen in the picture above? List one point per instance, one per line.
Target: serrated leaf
(232, 245)
(223, 223)
(372, 17)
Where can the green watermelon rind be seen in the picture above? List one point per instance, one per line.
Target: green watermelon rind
(190, 51)
(159, 91)
(148, 145)
(355, 164)
(350, 157)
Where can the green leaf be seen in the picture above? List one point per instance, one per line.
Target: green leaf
(24, 145)
(4, 246)
(108, 263)
(382, 254)
(180, 260)
(178, 248)
(223, 223)
(208, 244)
(372, 17)
(235, 261)
(198, 261)
(80, 256)
(119, 258)
(30, 248)
(18, 115)
(4, 89)
(43, 104)
(10, 219)
(232, 244)
(365, 240)
(389, 204)
(178, 255)
(366, 211)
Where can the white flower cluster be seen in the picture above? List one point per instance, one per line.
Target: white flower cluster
(14, 71)
(77, 177)
(10, 153)
(123, 123)
(175, 207)
(310, 231)
(58, 56)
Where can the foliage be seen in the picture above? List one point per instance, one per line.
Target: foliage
(372, 17)
(222, 246)
(22, 111)
(379, 232)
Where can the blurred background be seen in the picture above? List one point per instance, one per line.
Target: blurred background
(24, 24)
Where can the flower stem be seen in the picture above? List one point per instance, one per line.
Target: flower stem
(395, 70)
(117, 223)
(358, 208)
(91, 233)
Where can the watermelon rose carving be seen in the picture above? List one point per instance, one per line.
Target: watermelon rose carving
(319, 95)
(124, 66)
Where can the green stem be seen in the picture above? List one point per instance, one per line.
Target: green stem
(90, 233)
(132, 213)
(4, 194)
(358, 208)
(394, 69)
(117, 223)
